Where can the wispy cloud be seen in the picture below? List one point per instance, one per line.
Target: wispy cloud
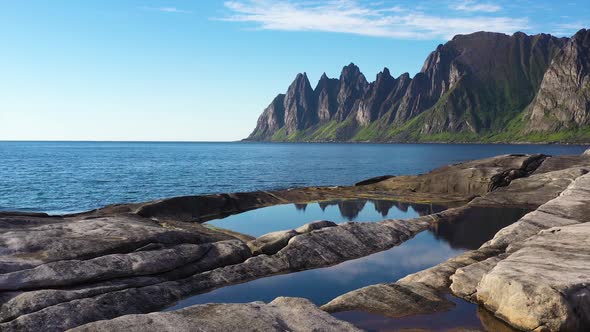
(568, 29)
(349, 16)
(474, 6)
(168, 10)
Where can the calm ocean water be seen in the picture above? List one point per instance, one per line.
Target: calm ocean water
(58, 177)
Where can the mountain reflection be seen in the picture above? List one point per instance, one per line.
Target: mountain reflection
(351, 208)
(300, 207)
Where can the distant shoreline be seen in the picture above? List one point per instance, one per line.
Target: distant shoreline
(288, 142)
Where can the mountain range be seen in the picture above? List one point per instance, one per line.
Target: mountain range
(480, 87)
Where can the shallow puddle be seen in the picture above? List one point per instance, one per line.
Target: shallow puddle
(426, 249)
(290, 216)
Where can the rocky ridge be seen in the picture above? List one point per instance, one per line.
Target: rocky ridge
(487, 87)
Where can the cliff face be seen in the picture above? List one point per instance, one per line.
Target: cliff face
(563, 101)
(478, 87)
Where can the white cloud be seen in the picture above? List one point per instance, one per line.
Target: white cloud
(349, 16)
(474, 6)
(168, 10)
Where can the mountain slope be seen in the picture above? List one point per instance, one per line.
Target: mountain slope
(478, 87)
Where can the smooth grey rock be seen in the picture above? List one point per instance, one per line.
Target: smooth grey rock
(271, 243)
(25, 248)
(72, 272)
(282, 314)
(555, 163)
(438, 277)
(392, 300)
(319, 224)
(465, 279)
(570, 207)
(543, 286)
(532, 191)
(51, 309)
(526, 227)
(418, 293)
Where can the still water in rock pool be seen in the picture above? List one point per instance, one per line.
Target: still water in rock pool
(425, 250)
(290, 216)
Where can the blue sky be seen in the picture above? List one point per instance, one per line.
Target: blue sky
(204, 70)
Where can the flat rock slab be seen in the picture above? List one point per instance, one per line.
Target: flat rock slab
(541, 280)
(282, 314)
(470, 178)
(544, 285)
(391, 300)
(26, 246)
(532, 191)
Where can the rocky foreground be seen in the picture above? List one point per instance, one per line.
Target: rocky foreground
(115, 268)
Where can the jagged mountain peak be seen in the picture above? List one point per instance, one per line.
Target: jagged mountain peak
(300, 83)
(582, 36)
(473, 85)
(384, 74)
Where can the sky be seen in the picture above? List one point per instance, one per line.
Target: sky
(204, 70)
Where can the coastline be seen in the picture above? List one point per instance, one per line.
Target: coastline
(181, 257)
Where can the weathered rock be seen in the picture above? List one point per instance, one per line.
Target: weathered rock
(282, 314)
(470, 178)
(124, 294)
(541, 282)
(271, 243)
(315, 225)
(72, 272)
(531, 191)
(331, 245)
(24, 248)
(438, 277)
(465, 279)
(563, 99)
(112, 262)
(392, 300)
(570, 207)
(555, 163)
(543, 286)
(373, 180)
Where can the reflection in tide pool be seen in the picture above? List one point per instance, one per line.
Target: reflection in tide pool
(290, 216)
(464, 316)
(324, 284)
(426, 249)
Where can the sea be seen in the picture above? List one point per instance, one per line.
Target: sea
(66, 177)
